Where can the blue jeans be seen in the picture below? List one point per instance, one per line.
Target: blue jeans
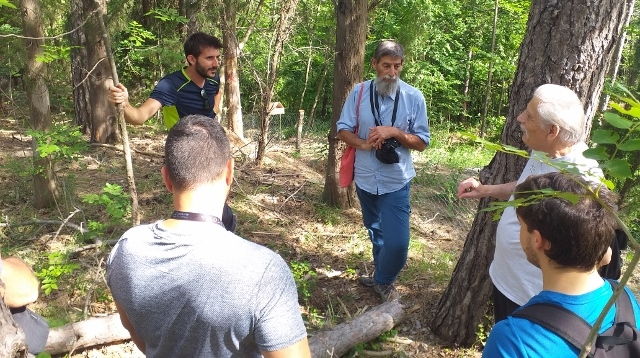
(386, 217)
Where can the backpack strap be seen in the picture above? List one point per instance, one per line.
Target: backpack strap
(561, 321)
(573, 328)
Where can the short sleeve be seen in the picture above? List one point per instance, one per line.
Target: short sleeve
(347, 120)
(420, 124)
(503, 341)
(165, 92)
(279, 323)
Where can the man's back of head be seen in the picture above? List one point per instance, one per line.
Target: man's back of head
(579, 233)
(197, 151)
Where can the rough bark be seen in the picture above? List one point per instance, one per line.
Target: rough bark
(12, 344)
(103, 123)
(79, 67)
(287, 12)
(45, 189)
(351, 34)
(231, 79)
(92, 332)
(566, 43)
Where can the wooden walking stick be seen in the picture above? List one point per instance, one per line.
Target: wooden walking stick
(135, 212)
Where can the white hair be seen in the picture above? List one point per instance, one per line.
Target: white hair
(560, 106)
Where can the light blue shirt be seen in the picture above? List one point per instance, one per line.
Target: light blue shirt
(370, 174)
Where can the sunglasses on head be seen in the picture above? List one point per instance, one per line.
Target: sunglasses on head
(204, 96)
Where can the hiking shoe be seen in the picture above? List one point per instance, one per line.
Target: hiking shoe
(366, 281)
(387, 292)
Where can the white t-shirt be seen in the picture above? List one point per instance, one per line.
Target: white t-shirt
(511, 273)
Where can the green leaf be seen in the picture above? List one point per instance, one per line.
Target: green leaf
(617, 121)
(7, 4)
(601, 136)
(598, 153)
(630, 145)
(617, 168)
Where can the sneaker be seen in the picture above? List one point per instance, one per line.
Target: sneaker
(387, 292)
(366, 281)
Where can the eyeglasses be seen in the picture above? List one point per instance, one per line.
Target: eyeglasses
(204, 96)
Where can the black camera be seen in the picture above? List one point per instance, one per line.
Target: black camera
(387, 153)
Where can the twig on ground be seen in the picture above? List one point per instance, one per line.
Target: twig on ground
(290, 196)
(377, 353)
(121, 149)
(344, 307)
(64, 222)
(46, 222)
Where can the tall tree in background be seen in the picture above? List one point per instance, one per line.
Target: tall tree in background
(79, 67)
(232, 49)
(281, 35)
(351, 35)
(45, 190)
(567, 43)
(95, 70)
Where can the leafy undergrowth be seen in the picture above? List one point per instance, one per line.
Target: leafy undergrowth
(278, 205)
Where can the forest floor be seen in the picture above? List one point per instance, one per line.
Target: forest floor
(278, 204)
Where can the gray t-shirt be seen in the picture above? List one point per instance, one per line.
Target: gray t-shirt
(204, 292)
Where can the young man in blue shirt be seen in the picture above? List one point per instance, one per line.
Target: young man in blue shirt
(567, 242)
(392, 121)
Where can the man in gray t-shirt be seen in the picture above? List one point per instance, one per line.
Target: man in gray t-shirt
(186, 287)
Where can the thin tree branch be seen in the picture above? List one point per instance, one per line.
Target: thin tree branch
(51, 37)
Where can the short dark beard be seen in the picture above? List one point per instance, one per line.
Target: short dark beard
(386, 88)
(202, 71)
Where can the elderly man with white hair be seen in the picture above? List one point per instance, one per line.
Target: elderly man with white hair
(553, 128)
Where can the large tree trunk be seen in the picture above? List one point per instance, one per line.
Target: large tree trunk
(45, 190)
(231, 79)
(282, 33)
(79, 67)
(566, 43)
(103, 123)
(12, 344)
(351, 34)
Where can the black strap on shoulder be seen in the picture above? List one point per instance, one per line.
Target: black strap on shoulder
(375, 105)
(559, 320)
(574, 328)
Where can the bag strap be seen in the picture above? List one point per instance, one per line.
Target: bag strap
(559, 320)
(355, 130)
(574, 328)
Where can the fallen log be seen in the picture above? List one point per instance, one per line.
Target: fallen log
(324, 344)
(91, 332)
(364, 328)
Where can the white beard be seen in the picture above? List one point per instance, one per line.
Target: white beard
(386, 88)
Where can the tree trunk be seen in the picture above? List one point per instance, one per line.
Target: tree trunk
(231, 79)
(192, 8)
(351, 34)
(566, 43)
(45, 189)
(319, 91)
(282, 33)
(103, 125)
(79, 67)
(490, 72)
(13, 343)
